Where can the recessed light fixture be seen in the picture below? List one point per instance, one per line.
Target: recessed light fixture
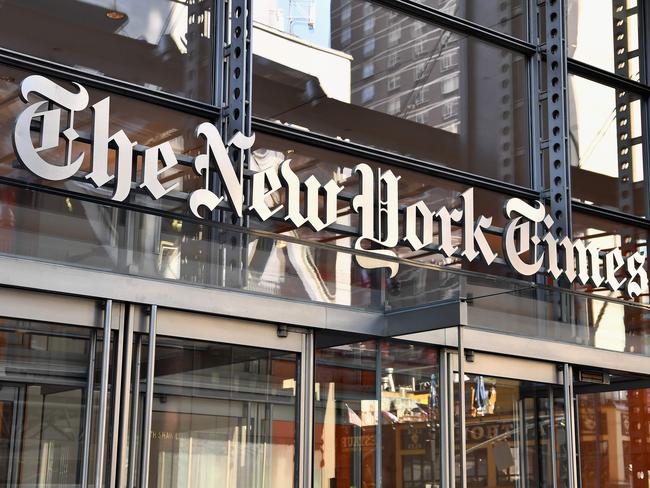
(115, 14)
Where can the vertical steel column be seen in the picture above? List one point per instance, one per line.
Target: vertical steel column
(446, 421)
(116, 389)
(237, 118)
(121, 428)
(88, 414)
(558, 124)
(148, 402)
(623, 109)
(378, 390)
(461, 408)
(306, 458)
(552, 453)
(569, 417)
(135, 381)
(103, 397)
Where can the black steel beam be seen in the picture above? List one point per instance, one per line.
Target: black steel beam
(398, 160)
(460, 25)
(110, 85)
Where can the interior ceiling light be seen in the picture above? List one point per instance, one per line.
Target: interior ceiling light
(115, 14)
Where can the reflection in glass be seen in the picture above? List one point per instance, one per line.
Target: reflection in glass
(605, 146)
(511, 427)
(605, 34)
(160, 44)
(349, 410)
(613, 429)
(223, 415)
(345, 415)
(43, 375)
(270, 152)
(508, 17)
(366, 73)
(144, 123)
(410, 415)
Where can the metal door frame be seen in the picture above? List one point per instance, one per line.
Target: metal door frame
(499, 365)
(153, 321)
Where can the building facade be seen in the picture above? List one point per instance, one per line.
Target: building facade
(324, 243)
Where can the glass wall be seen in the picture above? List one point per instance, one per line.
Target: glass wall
(43, 403)
(376, 393)
(605, 34)
(606, 149)
(159, 44)
(508, 17)
(613, 427)
(222, 414)
(370, 75)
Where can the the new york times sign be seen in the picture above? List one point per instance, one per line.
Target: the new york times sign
(529, 246)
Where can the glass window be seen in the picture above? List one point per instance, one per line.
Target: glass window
(159, 44)
(348, 409)
(146, 124)
(392, 59)
(393, 82)
(346, 35)
(369, 47)
(368, 93)
(606, 151)
(449, 59)
(613, 427)
(43, 392)
(449, 84)
(346, 11)
(413, 186)
(410, 415)
(345, 415)
(369, 24)
(222, 415)
(506, 16)
(605, 34)
(608, 234)
(394, 106)
(320, 88)
(368, 69)
(509, 426)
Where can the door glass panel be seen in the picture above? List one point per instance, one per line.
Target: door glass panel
(223, 415)
(345, 415)
(614, 432)
(514, 429)
(410, 415)
(43, 375)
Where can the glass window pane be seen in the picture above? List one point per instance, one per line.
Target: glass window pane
(410, 415)
(605, 146)
(413, 187)
(605, 34)
(223, 415)
(613, 427)
(506, 16)
(608, 234)
(161, 44)
(431, 94)
(345, 414)
(145, 124)
(508, 430)
(43, 379)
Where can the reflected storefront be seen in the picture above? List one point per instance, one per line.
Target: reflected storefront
(324, 244)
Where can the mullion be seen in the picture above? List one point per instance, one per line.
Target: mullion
(446, 173)
(459, 25)
(605, 77)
